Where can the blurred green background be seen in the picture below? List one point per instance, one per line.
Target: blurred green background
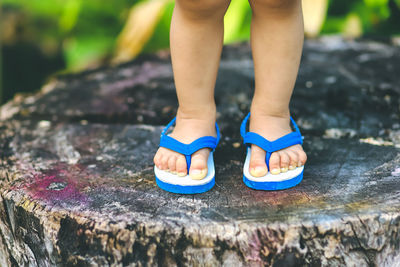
(42, 37)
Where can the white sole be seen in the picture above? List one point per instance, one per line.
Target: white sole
(271, 181)
(186, 185)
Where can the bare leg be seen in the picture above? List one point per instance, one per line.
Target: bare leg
(276, 41)
(196, 39)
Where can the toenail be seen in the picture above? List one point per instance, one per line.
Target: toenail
(195, 171)
(181, 174)
(292, 167)
(258, 171)
(197, 174)
(285, 169)
(174, 172)
(275, 171)
(299, 164)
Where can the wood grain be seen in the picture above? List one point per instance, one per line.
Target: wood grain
(77, 186)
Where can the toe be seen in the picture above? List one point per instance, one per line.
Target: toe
(274, 163)
(294, 159)
(172, 164)
(285, 159)
(198, 166)
(258, 167)
(160, 166)
(181, 165)
(164, 162)
(157, 158)
(302, 158)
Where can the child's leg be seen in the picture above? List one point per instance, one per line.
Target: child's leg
(196, 39)
(276, 41)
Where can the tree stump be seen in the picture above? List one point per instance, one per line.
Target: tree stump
(77, 185)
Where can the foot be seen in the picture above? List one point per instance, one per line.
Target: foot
(271, 128)
(187, 129)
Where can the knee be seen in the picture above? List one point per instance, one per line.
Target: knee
(203, 8)
(275, 4)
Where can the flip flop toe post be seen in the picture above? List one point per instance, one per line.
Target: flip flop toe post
(271, 181)
(186, 185)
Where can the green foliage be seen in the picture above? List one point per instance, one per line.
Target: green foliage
(160, 38)
(237, 22)
(69, 16)
(376, 16)
(87, 29)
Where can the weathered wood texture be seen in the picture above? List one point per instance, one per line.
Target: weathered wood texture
(77, 186)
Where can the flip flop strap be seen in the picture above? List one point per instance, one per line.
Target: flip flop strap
(285, 141)
(188, 149)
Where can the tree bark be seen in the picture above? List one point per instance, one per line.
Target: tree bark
(77, 185)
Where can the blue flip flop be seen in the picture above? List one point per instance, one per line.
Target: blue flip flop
(185, 185)
(271, 181)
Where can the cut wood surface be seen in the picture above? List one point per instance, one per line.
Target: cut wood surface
(77, 185)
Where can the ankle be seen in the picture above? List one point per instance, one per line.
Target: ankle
(269, 113)
(270, 122)
(191, 124)
(200, 113)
